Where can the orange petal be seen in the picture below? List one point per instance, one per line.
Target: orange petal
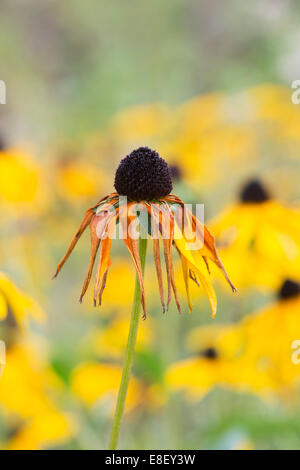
(104, 259)
(132, 246)
(159, 271)
(95, 241)
(85, 222)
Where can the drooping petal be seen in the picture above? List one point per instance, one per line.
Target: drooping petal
(170, 221)
(199, 235)
(167, 222)
(156, 251)
(85, 222)
(104, 259)
(110, 198)
(206, 263)
(158, 213)
(194, 266)
(95, 242)
(132, 246)
(185, 271)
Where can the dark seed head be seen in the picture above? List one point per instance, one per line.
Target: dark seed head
(143, 175)
(175, 172)
(254, 192)
(288, 290)
(209, 353)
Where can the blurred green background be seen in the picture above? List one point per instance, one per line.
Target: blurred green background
(69, 66)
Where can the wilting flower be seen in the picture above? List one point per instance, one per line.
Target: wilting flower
(143, 180)
(259, 238)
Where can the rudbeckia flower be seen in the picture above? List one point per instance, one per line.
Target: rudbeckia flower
(15, 303)
(26, 390)
(215, 348)
(94, 382)
(259, 238)
(277, 351)
(143, 196)
(22, 185)
(220, 361)
(111, 340)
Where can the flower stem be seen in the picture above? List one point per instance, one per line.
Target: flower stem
(129, 354)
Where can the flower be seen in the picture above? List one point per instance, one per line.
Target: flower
(273, 352)
(215, 348)
(26, 393)
(16, 306)
(111, 341)
(260, 233)
(143, 178)
(94, 382)
(22, 185)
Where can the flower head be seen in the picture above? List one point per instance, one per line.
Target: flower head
(289, 290)
(143, 183)
(143, 175)
(262, 234)
(254, 192)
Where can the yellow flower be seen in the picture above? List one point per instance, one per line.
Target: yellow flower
(259, 238)
(95, 382)
(22, 185)
(270, 335)
(24, 392)
(217, 347)
(195, 376)
(49, 428)
(77, 180)
(24, 372)
(220, 362)
(111, 341)
(138, 123)
(15, 302)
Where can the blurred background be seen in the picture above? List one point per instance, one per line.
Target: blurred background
(207, 85)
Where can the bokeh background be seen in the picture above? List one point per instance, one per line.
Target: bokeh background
(208, 85)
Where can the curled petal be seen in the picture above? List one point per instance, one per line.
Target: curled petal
(193, 265)
(132, 246)
(185, 271)
(95, 242)
(104, 259)
(159, 271)
(85, 222)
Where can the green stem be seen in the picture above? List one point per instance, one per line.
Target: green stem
(129, 354)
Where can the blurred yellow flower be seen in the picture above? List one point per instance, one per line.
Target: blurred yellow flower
(195, 376)
(17, 303)
(259, 239)
(22, 184)
(269, 336)
(139, 122)
(111, 341)
(25, 392)
(49, 428)
(78, 180)
(95, 382)
(216, 347)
